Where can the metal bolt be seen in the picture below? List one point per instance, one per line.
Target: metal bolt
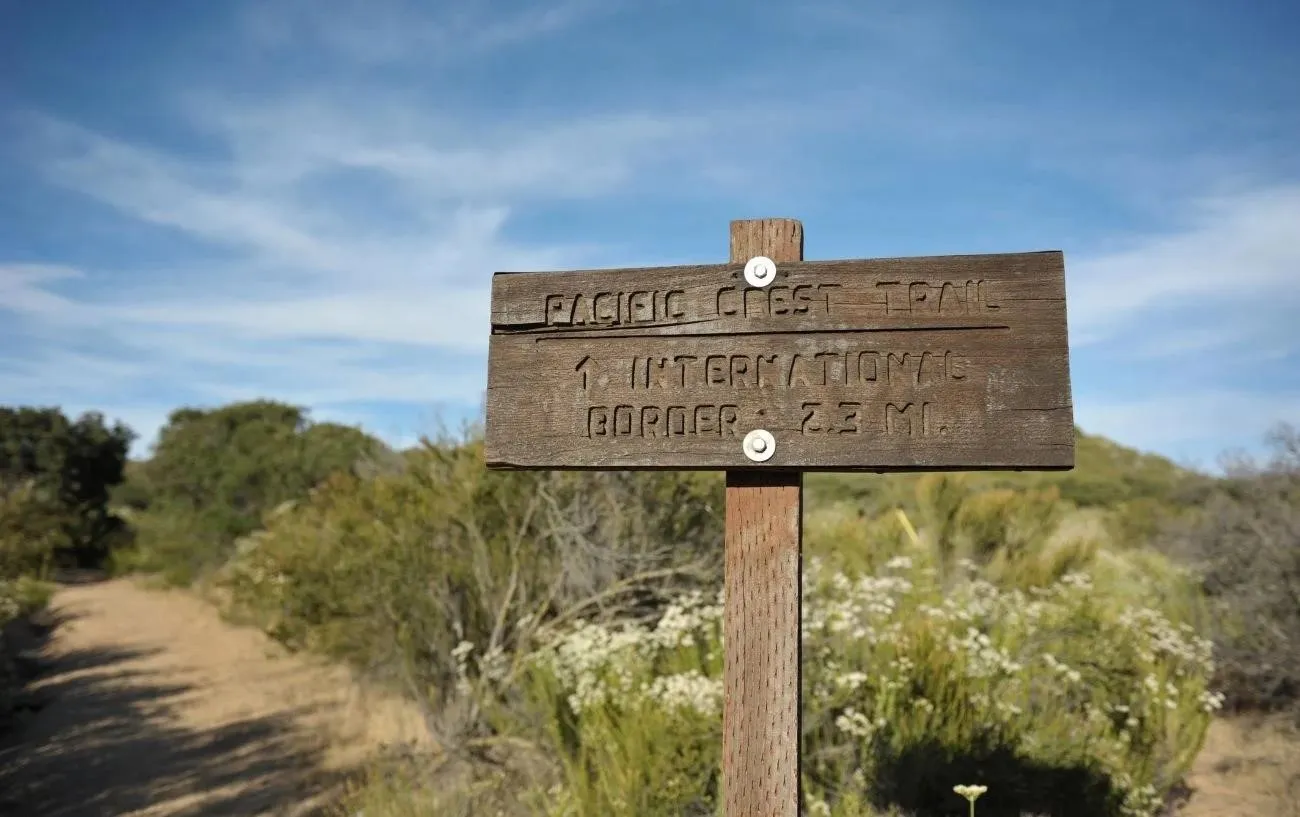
(759, 445)
(760, 271)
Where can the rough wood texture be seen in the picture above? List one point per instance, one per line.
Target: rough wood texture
(761, 765)
(933, 363)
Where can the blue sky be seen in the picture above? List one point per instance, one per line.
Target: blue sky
(305, 199)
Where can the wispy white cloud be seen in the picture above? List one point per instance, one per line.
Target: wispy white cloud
(24, 288)
(50, 375)
(384, 31)
(420, 279)
(283, 199)
(436, 154)
(1185, 340)
(1273, 341)
(1238, 251)
(343, 249)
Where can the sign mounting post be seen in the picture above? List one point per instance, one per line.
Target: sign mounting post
(767, 367)
(763, 576)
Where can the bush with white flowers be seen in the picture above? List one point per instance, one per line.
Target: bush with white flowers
(903, 681)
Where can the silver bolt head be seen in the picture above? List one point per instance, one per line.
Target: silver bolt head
(759, 445)
(760, 271)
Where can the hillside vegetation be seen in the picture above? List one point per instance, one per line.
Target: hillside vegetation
(1063, 639)
(55, 478)
(1105, 474)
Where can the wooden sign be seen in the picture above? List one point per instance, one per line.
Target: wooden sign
(933, 363)
(768, 367)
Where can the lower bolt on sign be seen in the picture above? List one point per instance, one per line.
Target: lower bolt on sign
(926, 364)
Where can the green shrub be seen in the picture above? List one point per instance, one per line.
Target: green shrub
(214, 474)
(443, 577)
(22, 597)
(846, 540)
(61, 472)
(1056, 698)
(1001, 529)
(1017, 538)
(1060, 700)
(392, 572)
(31, 530)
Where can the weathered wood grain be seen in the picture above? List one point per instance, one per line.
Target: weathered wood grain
(938, 363)
(763, 656)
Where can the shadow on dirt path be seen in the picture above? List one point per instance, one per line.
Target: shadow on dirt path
(149, 704)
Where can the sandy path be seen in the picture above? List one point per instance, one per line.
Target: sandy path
(154, 706)
(1249, 767)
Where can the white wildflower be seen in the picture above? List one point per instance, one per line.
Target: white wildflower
(688, 690)
(854, 723)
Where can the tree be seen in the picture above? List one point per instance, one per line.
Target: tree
(216, 473)
(67, 470)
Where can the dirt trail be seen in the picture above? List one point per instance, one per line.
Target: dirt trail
(1249, 767)
(155, 706)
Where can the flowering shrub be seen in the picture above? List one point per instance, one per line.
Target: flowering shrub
(637, 712)
(1059, 698)
(999, 641)
(907, 689)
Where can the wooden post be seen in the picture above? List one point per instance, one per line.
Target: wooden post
(761, 719)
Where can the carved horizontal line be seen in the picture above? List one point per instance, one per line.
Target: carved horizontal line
(640, 334)
(550, 329)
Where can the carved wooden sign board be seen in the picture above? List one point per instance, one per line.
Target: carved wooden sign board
(933, 363)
